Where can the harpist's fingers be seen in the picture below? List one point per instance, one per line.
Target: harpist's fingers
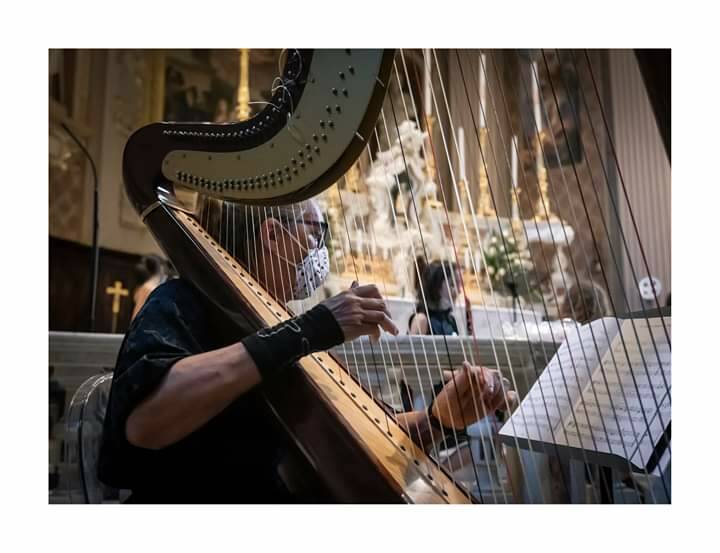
(380, 318)
(374, 304)
(368, 291)
(512, 400)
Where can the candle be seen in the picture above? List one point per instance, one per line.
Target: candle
(514, 161)
(515, 209)
(538, 118)
(483, 87)
(428, 94)
(461, 153)
(536, 97)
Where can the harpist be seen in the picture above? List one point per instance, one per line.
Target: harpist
(185, 421)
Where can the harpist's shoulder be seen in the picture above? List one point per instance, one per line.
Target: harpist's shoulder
(174, 295)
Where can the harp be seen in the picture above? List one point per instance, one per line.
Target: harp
(331, 108)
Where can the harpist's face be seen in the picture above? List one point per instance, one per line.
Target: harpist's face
(296, 237)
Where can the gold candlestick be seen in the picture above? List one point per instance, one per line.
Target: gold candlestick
(242, 109)
(484, 205)
(542, 205)
(516, 221)
(352, 179)
(430, 169)
(430, 159)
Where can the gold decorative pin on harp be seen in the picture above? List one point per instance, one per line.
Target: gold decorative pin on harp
(595, 396)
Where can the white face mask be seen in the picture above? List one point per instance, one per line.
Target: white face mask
(311, 272)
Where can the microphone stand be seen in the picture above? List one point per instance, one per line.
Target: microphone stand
(512, 286)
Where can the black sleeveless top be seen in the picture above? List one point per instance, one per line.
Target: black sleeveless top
(442, 323)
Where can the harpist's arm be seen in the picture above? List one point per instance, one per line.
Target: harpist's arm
(417, 425)
(470, 394)
(194, 391)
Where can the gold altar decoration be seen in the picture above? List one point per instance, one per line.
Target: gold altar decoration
(430, 169)
(484, 203)
(542, 209)
(242, 109)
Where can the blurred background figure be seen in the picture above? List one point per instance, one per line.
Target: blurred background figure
(434, 311)
(151, 272)
(584, 302)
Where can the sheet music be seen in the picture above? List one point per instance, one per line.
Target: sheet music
(607, 399)
(541, 413)
(628, 394)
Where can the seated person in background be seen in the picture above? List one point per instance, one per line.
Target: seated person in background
(152, 271)
(186, 419)
(437, 293)
(436, 300)
(584, 302)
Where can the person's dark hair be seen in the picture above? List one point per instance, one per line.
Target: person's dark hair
(433, 279)
(150, 266)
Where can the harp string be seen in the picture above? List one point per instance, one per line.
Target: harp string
(537, 371)
(584, 307)
(422, 344)
(480, 242)
(617, 216)
(632, 321)
(357, 365)
(611, 143)
(344, 344)
(403, 375)
(372, 348)
(552, 190)
(515, 193)
(413, 202)
(554, 296)
(575, 112)
(428, 64)
(490, 188)
(453, 262)
(632, 373)
(482, 155)
(357, 279)
(411, 342)
(577, 223)
(368, 243)
(473, 218)
(446, 279)
(418, 272)
(575, 218)
(445, 203)
(460, 284)
(562, 274)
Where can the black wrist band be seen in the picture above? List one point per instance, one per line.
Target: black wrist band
(437, 425)
(434, 421)
(276, 347)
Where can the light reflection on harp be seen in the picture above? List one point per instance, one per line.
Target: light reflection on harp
(336, 107)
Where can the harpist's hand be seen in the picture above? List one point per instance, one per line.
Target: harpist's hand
(470, 394)
(361, 311)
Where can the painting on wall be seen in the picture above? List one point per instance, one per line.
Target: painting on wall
(560, 105)
(200, 85)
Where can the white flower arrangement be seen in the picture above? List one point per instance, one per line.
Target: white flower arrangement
(505, 256)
